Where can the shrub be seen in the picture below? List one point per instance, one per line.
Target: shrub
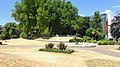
(69, 51)
(49, 45)
(119, 48)
(14, 36)
(72, 40)
(80, 40)
(23, 35)
(88, 41)
(118, 43)
(111, 43)
(103, 43)
(85, 38)
(119, 39)
(93, 41)
(62, 46)
(2, 36)
(106, 43)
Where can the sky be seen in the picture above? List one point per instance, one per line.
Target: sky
(85, 8)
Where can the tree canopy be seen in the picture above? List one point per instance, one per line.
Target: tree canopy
(43, 16)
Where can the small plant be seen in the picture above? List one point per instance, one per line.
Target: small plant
(62, 46)
(80, 39)
(119, 48)
(85, 38)
(93, 41)
(49, 45)
(23, 35)
(72, 40)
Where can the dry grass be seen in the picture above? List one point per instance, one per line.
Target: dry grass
(102, 63)
(31, 57)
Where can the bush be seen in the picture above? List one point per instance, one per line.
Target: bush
(14, 36)
(62, 46)
(119, 39)
(118, 43)
(69, 51)
(85, 38)
(119, 48)
(106, 43)
(72, 40)
(103, 43)
(80, 40)
(93, 41)
(111, 43)
(23, 35)
(2, 36)
(49, 45)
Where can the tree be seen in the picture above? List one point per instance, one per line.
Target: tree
(94, 34)
(10, 29)
(38, 16)
(97, 21)
(84, 26)
(115, 27)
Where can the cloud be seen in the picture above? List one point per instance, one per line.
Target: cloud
(81, 14)
(108, 12)
(118, 6)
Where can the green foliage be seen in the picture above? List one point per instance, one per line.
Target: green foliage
(106, 43)
(49, 45)
(10, 29)
(118, 39)
(72, 40)
(46, 32)
(103, 43)
(14, 36)
(2, 36)
(118, 43)
(93, 33)
(83, 24)
(68, 51)
(62, 46)
(119, 48)
(93, 41)
(115, 27)
(86, 38)
(76, 40)
(97, 21)
(23, 35)
(46, 17)
(80, 39)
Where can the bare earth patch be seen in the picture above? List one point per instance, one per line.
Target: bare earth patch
(102, 63)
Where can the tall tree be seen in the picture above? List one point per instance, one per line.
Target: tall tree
(40, 16)
(10, 29)
(115, 27)
(97, 21)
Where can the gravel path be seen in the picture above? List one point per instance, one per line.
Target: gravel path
(104, 49)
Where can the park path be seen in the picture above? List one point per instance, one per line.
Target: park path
(103, 49)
